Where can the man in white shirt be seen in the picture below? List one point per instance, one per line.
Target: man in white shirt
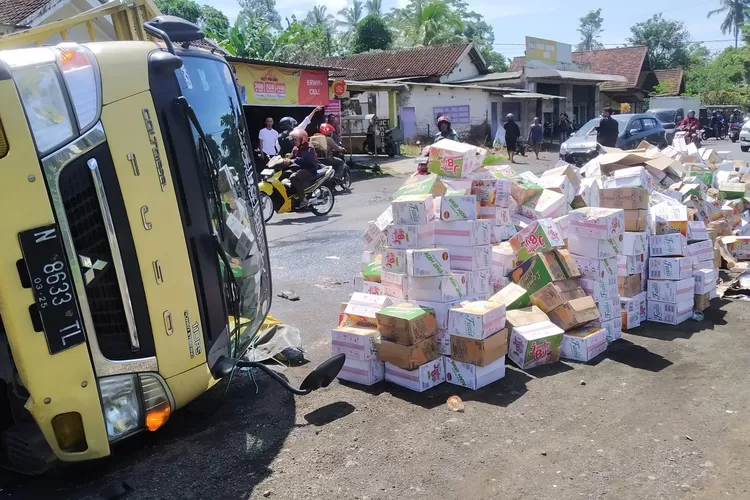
(268, 138)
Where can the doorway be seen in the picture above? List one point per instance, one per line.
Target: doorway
(409, 122)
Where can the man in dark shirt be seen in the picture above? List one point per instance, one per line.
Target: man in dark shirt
(304, 162)
(607, 131)
(512, 133)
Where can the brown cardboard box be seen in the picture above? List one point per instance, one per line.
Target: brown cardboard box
(629, 286)
(575, 313)
(627, 198)
(524, 316)
(702, 302)
(553, 295)
(406, 323)
(636, 220)
(480, 352)
(408, 357)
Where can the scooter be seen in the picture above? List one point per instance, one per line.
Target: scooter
(708, 132)
(689, 136)
(276, 197)
(734, 131)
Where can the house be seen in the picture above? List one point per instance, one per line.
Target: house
(18, 15)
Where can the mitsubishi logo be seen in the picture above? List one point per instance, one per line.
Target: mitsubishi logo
(90, 267)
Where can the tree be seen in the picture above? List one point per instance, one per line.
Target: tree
(496, 62)
(214, 20)
(590, 29)
(374, 7)
(247, 38)
(299, 42)
(186, 9)
(372, 33)
(667, 41)
(439, 23)
(736, 15)
(724, 79)
(319, 16)
(262, 12)
(351, 16)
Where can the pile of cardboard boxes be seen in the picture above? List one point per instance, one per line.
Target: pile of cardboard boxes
(470, 263)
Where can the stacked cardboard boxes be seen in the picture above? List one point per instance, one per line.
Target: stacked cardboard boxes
(671, 284)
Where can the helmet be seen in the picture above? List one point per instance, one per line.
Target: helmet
(510, 117)
(444, 119)
(287, 123)
(691, 113)
(327, 129)
(299, 134)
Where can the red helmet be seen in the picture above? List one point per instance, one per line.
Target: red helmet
(444, 119)
(327, 129)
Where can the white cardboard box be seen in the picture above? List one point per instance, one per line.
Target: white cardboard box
(630, 177)
(394, 260)
(584, 343)
(413, 209)
(674, 292)
(463, 233)
(697, 231)
(459, 207)
(670, 268)
(534, 345)
(667, 245)
(629, 264)
(358, 343)
(395, 284)
(600, 289)
(442, 310)
(613, 327)
(476, 320)
(443, 341)
(666, 312)
(642, 301)
(593, 247)
(438, 289)
(372, 288)
(596, 268)
(410, 235)
(478, 285)
(428, 262)
(474, 258)
(634, 243)
(608, 308)
(630, 308)
(705, 280)
(423, 378)
(597, 222)
(362, 372)
(472, 376)
(365, 305)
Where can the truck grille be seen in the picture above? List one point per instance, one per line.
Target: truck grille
(87, 228)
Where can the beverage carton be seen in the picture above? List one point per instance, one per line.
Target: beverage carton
(588, 195)
(594, 248)
(702, 302)
(535, 345)
(438, 288)
(559, 184)
(459, 207)
(601, 289)
(420, 379)
(394, 285)
(629, 286)
(413, 209)
(362, 372)
(408, 357)
(524, 189)
(422, 184)
(406, 323)
(371, 287)
(574, 313)
(539, 236)
(463, 233)
(705, 281)
(636, 220)
(596, 268)
(547, 204)
(457, 186)
(524, 316)
(474, 258)
(476, 320)
(512, 296)
(627, 198)
(375, 237)
(595, 222)
(503, 259)
(497, 216)
(478, 285)
(373, 271)
(666, 245)
(401, 236)
(443, 341)
(671, 291)
(454, 159)
(641, 297)
(732, 190)
(668, 219)
(612, 326)
(394, 260)
(629, 264)
(480, 352)
(473, 376)
(630, 177)
(709, 209)
(553, 295)
(701, 250)
(670, 313)
(428, 262)
(544, 268)
(670, 268)
(630, 308)
(609, 308)
(502, 233)
(360, 343)
(362, 308)
(584, 343)
(634, 243)
(441, 310)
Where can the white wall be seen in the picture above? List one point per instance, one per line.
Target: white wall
(463, 70)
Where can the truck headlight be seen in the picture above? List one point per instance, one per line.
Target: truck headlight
(563, 148)
(133, 402)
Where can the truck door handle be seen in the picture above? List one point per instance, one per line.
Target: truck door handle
(168, 322)
(146, 223)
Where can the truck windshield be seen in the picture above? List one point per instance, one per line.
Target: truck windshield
(231, 193)
(664, 115)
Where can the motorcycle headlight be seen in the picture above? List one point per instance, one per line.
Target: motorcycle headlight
(131, 403)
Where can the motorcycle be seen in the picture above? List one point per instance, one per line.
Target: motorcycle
(708, 132)
(276, 194)
(343, 174)
(734, 131)
(521, 146)
(689, 136)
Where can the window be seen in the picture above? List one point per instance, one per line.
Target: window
(457, 114)
(636, 125)
(649, 123)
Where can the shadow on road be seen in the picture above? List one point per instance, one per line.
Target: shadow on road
(300, 221)
(329, 413)
(714, 315)
(625, 352)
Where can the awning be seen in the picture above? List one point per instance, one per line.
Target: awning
(531, 95)
(573, 75)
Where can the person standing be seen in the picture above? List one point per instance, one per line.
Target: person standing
(536, 132)
(269, 139)
(608, 130)
(563, 128)
(512, 133)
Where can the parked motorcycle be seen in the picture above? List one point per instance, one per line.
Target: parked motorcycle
(276, 194)
(708, 132)
(734, 131)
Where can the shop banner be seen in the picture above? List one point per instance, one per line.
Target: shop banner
(272, 86)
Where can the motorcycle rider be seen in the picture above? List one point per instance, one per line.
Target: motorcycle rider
(736, 116)
(717, 122)
(303, 164)
(327, 130)
(691, 125)
(445, 131)
(287, 125)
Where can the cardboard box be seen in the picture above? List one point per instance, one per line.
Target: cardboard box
(608, 308)
(478, 286)
(454, 159)
(738, 246)
(559, 184)
(408, 357)
(705, 281)
(371, 288)
(612, 326)
(641, 297)
(362, 372)
(428, 262)
(567, 170)
(373, 271)
(594, 248)
(443, 341)
(600, 289)
(438, 288)
(596, 268)
(512, 296)
(406, 323)
(441, 310)
(503, 257)
(629, 177)
(627, 198)
(547, 204)
(502, 233)
(668, 219)
(463, 233)
(701, 250)
(459, 207)
(524, 316)
(595, 222)
(476, 320)
(539, 236)
(732, 190)
(629, 264)
(634, 243)
(401, 236)
(474, 258)
(480, 352)
(413, 209)
(360, 343)
(709, 209)
(394, 260)
(472, 376)
(672, 314)
(667, 245)
(523, 189)
(574, 313)
(629, 286)
(630, 308)
(588, 194)
(544, 268)
(420, 379)
(584, 343)
(374, 238)
(422, 184)
(497, 216)
(395, 285)
(362, 308)
(535, 345)
(702, 301)
(553, 295)
(671, 291)
(484, 190)
(636, 220)
(670, 268)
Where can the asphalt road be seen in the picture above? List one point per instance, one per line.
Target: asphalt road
(664, 414)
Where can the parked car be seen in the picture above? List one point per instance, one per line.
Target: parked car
(670, 118)
(633, 128)
(745, 137)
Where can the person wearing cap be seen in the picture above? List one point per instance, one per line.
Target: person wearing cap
(445, 131)
(512, 133)
(608, 130)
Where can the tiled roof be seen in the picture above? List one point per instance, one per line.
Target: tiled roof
(433, 60)
(624, 61)
(14, 11)
(673, 79)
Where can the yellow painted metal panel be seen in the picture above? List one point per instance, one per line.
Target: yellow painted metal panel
(187, 386)
(60, 377)
(157, 232)
(124, 67)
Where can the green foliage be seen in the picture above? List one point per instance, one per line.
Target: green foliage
(668, 42)
(262, 12)
(372, 33)
(662, 87)
(374, 7)
(214, 20)
(590, 29)
(186, 9)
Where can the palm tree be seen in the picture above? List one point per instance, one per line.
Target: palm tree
(735, 16)
(438, 23)
(319, 16)
(374, 7)
(351, 17)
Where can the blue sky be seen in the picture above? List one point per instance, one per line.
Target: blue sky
(513, 20)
